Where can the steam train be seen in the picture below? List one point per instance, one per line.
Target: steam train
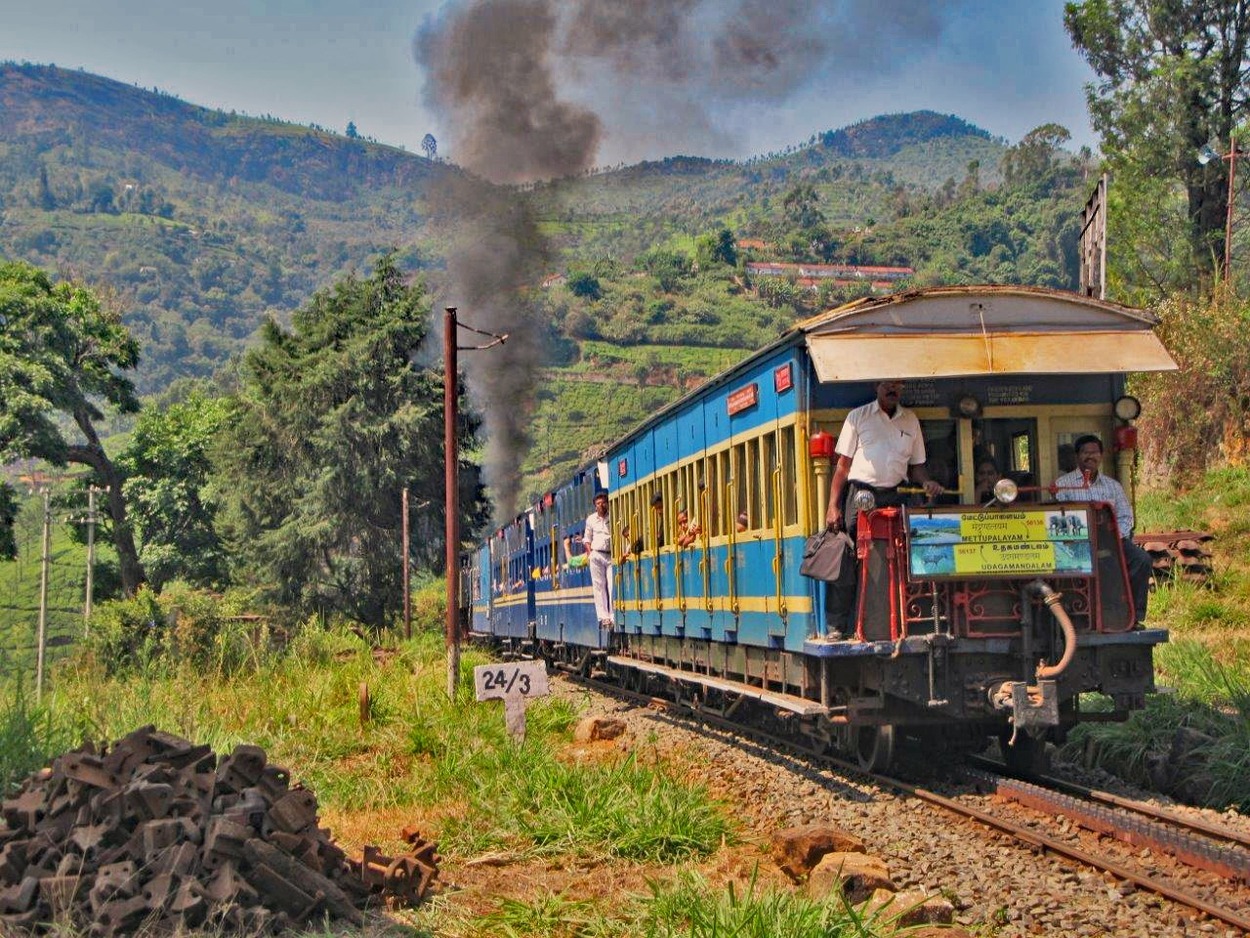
(974, 617)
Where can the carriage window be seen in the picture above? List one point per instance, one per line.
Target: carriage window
(767, 481)
(709, 497)
(721, 497)
(755, 484)
(789, 480)
(741, 482)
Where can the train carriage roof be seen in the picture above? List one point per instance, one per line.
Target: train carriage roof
(979, 330)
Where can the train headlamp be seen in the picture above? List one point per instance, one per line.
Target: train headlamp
(1006, 491)
(1127, 407)
(864, 500)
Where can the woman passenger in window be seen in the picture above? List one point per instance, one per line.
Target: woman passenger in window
(987, 475)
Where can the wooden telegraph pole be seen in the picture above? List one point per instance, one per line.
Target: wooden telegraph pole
(451, 487)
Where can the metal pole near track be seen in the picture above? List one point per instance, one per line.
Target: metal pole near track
(42, 640)
(451, 507)
(407, 571)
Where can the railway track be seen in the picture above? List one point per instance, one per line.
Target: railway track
(1220, 854)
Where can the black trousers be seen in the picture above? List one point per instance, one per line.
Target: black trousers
(840, 599)
(1140, 567)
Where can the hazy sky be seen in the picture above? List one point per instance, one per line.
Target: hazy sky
(1005, 65)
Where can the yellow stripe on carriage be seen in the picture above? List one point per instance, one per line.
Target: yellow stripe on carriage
(795, 605)
(563, 595)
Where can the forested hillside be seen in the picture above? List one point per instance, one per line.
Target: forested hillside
(203, 224)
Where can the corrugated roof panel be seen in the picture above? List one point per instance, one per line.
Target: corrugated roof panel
(869, 357)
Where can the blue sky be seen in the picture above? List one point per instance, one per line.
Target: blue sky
(1005, 65)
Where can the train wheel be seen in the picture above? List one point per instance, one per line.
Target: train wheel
(874, 747)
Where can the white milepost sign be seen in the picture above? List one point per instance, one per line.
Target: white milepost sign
(515, 682)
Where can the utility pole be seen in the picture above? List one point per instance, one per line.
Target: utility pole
(451, 491)
(41, 640)
(92, 518)
(407, 589)
(451, 483)
(1228, 219)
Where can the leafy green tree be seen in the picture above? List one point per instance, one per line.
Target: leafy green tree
(668, 267)
(1035, 159)
(334, 418)
(62, 354)
(716, 247)
(801, 207)
(167, 468)
(585, 284)
(8, 516)
(1171, 79)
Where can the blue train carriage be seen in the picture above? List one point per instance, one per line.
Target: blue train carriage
(566, 626)
(944, 648)
(476, 593)
(512, 584)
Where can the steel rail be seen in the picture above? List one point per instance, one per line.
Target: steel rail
(1019, 832)
(1127, 804)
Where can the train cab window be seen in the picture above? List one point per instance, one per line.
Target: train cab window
(941, 446)
(1011, 444)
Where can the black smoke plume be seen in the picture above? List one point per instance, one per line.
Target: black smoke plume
(533, 89)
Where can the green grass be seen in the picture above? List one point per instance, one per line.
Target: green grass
(692, 908)
(417, 749)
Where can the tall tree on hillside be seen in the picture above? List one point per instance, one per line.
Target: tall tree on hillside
(62, 355)
(334, 419)
(1171, 79)
(429, 146)
(167, 466)
(1036, 158)
(8, 517)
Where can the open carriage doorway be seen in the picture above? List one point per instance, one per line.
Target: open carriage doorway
(1006, 447)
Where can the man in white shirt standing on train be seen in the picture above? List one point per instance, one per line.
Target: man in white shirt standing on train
(880, 446)
(1087, 484)
(597, 539)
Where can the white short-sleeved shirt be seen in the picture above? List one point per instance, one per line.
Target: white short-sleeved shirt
(598, 533)
(1071, 488)
(881, 447)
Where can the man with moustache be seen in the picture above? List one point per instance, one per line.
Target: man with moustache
(881, 445)
(1086, 483)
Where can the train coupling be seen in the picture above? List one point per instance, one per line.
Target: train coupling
(1031, 705)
